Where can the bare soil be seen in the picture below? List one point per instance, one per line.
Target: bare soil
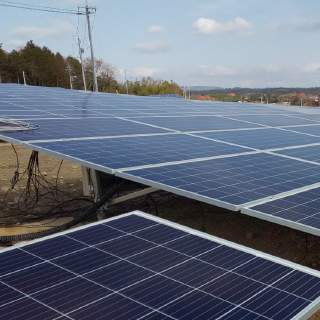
(271, 238)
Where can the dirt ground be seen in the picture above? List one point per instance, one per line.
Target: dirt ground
(251, 232)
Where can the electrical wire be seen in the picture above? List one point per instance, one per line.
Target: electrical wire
(39, 198)
(154, 203)
(81, 217)
(38, 8)
(32, 5)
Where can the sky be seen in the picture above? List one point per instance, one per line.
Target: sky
(223, 43)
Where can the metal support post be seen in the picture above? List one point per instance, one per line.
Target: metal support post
(95, 82)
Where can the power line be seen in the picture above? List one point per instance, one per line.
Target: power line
(38, 8)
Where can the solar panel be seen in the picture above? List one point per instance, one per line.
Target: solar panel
(263, 139)
(310, 153)
(141, 267)
(227, 154)
(199, 123)
(300, 211)
(312, 130)
(170, 96)
(116, 153)
(84, 128)
(229, 182)
(274, 120)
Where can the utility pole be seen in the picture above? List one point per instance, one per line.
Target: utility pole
(125, 79)
(69, 69)
(24, 78)
(82, 68)
(88, 12)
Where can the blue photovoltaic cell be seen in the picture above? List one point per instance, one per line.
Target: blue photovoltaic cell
(311, 153)
(139, 151)
(125, 246)
(10, 262)
(27, 308)
(84, 127)
(273, 120)
(97, 234)
(234, 180)
(159, 280)
(8, 295)
(22, 114)
(81, 261)
(199, 123)
(36, 278)
(313, 129)
(112, 307)
(59, 246)
(77, 290)
(262, 139)
(302, 209)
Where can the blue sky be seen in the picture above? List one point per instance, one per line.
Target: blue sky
(225, 43)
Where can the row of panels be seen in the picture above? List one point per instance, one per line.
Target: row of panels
(140, 267)
(289, 133)
(245, 159)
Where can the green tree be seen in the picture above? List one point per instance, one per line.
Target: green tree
(105, 72)
(62, 77)
(14, 67)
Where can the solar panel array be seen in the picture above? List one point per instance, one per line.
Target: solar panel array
(141, 267)
(234, 155)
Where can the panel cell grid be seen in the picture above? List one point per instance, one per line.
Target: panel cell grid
(234, 180)
(262, 139)
(301, 209)
(87, 127)
(311, 129)
(310, 153)
(274, 120)
(199, 123)
(139, 151)
(157, 280)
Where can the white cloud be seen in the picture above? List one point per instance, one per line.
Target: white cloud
(312, 67)
(218, 70)
(151, 47)
(155, 29)
(57, 28)
(145, 72)
(14, 44)
(211, 26)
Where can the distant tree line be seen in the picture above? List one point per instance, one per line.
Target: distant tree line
(42, 67)
(259, 91)
(286, 96)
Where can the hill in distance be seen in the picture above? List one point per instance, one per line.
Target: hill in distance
(201, 88)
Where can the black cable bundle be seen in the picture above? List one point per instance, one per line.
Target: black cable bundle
(81, 217)
(39, 191)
